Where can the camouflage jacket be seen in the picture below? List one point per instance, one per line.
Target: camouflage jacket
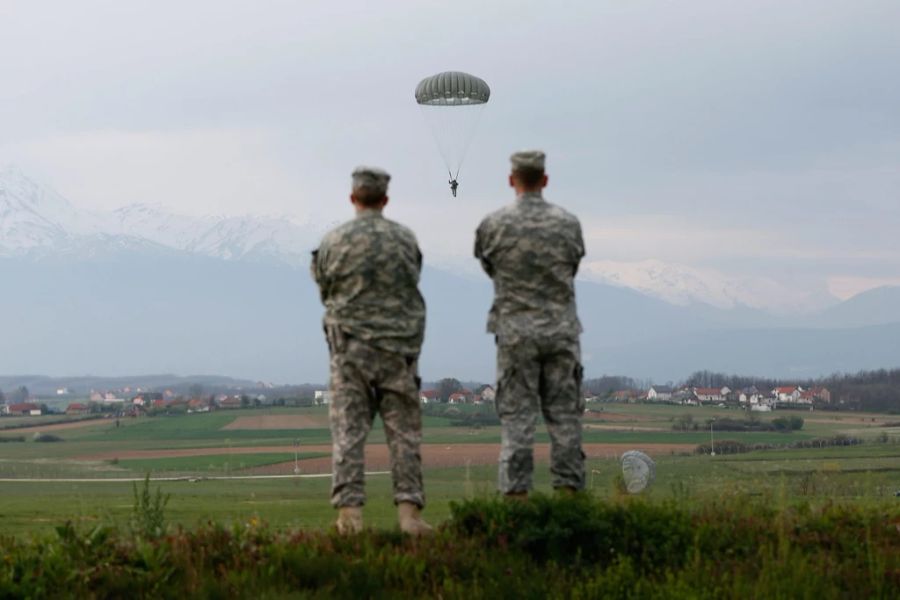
(367, 271)
(531, 249)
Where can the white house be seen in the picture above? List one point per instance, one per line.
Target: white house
(685, 396)
(712, 394)
(488, 394)
(321, 397)
(660, 393)
(757, 399)
(749, 395)
(789, 393)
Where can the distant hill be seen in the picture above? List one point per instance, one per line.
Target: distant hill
(138, 311)
(873, 307)
(791, 354)
(43, 385)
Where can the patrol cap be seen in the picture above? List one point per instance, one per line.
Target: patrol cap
(528, 160)
(371, 178)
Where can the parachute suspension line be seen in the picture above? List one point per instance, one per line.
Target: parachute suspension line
(468, 128)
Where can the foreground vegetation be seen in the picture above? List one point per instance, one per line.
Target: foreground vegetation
(581, 547)
(800, 518)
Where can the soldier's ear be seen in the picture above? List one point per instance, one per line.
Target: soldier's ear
(512, 182)
(384, 203)
(544, 181)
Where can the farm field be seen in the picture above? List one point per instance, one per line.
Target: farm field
(460, 462)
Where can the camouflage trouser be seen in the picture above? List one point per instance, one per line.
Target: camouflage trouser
(366, 381)
(539, 375)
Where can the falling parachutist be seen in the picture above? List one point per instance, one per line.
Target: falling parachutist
(453, 185)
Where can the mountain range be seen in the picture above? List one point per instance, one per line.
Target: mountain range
(141, 290)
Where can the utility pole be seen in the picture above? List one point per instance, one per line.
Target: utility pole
(712, 441)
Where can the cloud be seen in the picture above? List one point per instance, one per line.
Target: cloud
(196, 172)
(755, 140)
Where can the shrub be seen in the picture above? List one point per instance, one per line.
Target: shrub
(476, 420)
(685, 423)
(581, 529)
(46, 437)
(148, 518)
(792, 423)
(724, 447)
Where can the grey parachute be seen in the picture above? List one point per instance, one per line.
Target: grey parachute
(638, 470)
(452, 103)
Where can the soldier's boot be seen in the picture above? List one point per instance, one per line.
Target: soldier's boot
(349, 520)
(517, 496)
(411, 521)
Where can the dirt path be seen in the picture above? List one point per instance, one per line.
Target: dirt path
(58, 426)
(872, 421)
(377, 456)
(179, 452)
(622, 427)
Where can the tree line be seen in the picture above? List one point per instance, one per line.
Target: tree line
(16, 396)
(877, 390)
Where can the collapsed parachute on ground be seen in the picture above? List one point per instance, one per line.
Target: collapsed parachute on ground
(452, 103)
(638, 470)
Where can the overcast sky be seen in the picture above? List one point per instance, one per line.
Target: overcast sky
(750, 139)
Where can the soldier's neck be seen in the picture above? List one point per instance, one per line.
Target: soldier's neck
(365, 212)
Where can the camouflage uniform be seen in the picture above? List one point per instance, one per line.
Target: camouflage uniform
(367, 271)
(531, 250)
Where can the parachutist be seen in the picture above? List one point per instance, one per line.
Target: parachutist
(453, 185)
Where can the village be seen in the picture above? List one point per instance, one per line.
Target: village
(751, 398)
(120, 402)
(128, 402)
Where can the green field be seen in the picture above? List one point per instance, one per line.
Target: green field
(863, 474)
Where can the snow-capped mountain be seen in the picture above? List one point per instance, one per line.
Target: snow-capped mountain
(684, 285)
(37, 221)
(140, 290)
(220, 237)
(32, 216)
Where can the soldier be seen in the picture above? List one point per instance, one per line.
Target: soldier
(367, 271)
(531, 250)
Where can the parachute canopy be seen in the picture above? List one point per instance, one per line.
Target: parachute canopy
(638, 470)
(452, 88)
(451, 103)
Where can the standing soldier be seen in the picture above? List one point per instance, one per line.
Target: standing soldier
(367, 271)
(531, 250)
